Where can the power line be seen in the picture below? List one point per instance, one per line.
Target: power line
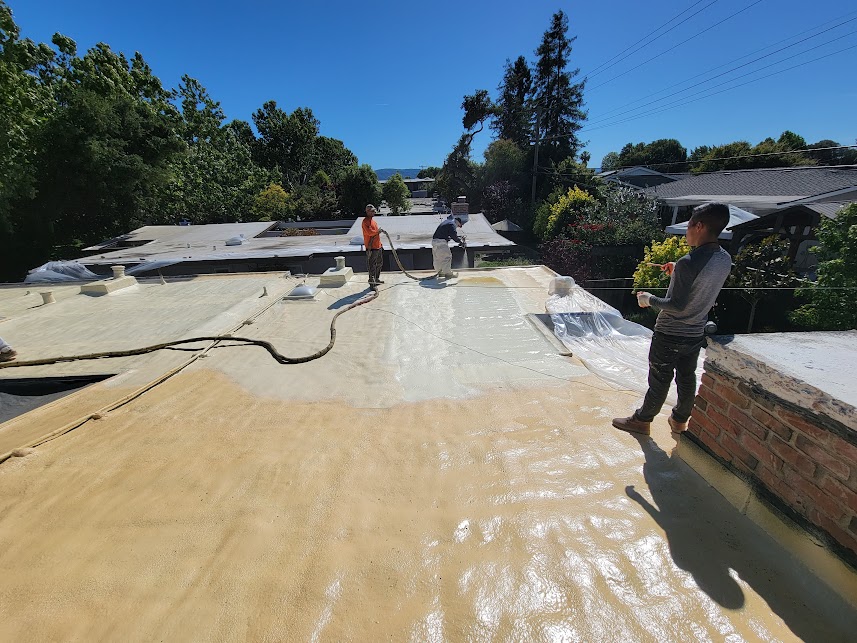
(596, 71)
(733, 68)
(648, 60)
(750, 156)
(664, 109)
(726, 82)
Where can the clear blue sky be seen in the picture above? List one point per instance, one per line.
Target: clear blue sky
(388, 77)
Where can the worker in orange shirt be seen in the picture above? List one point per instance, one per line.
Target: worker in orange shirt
(374, 249)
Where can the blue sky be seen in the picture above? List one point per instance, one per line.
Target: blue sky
(388, 78)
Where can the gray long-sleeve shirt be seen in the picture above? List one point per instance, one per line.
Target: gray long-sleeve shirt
(694, 286)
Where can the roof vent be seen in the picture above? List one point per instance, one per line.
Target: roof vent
(302, 292)
(235, 241)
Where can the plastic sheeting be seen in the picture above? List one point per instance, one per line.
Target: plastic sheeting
(59, 271)
(610, 346)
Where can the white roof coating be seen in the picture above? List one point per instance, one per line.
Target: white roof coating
(809, 369)
(209, 242)
(441, 474)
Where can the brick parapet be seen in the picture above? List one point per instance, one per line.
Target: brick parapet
(801, 461)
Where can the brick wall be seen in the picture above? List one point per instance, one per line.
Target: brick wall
(805, 463)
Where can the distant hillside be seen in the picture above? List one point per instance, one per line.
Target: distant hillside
(387, 172)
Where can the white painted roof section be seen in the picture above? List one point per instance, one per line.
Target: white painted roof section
(208, 242)
(167, 235)
(415, 231)
(814, 370)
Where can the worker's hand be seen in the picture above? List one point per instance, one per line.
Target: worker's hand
(668, 267)
(643, 299)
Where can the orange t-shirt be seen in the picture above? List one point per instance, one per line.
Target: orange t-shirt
(371, 237)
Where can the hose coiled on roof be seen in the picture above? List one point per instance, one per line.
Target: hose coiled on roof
(279, 357)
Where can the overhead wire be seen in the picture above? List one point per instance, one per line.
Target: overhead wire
(685, 41)
(699, 98)
(602, 68)
(667, 88)
(727, 81)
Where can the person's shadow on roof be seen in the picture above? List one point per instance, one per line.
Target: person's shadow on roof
(696, 546)
(708, 539)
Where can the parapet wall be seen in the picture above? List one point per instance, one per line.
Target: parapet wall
(770, 408)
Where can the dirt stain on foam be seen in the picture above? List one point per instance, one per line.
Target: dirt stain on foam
(220, 515)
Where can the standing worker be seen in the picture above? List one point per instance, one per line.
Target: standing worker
(7, 353)
(695, 282)
(440, 252)
(374, 249)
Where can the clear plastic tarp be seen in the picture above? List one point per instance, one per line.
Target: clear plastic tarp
(59, 271)
(610, 346)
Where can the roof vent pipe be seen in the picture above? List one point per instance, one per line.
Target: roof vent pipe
(340, 263)
(48, 297)
(118, 271)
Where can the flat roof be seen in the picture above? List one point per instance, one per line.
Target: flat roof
(208, 242)
(442, 473)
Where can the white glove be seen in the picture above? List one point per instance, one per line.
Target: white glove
(644, 299)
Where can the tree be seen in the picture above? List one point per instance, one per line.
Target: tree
(513, 121)
(558, 100)
(286, 141)
(610, 162)
(330, 156)
(759, 267)
(651, 278)
(358, 188)
(564, 210)
(664, 155)
(272, 204)
(505, 161)
(831, 301)
(201, 115)
(106, 154)
(429, 172)
(831, 157)
(396, 194)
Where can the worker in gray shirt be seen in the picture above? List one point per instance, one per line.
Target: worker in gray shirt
(695, 282)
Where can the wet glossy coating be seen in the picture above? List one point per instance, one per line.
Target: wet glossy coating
(441, 475)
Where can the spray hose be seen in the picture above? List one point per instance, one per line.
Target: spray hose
(241, 341)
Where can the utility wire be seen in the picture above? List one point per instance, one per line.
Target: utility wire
(648, 60)
(602, 68)
(726, 82)
(699, 98)
(743, 57)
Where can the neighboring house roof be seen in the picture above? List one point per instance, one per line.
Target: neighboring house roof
(178, 244)
(638, 177)
(441, 471)
(759, 190)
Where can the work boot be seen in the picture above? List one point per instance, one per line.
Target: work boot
(8, 356)
(676, 426)
(633, 425)
(378, 281)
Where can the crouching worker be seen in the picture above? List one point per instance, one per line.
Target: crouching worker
(695, 282)
(441, 254)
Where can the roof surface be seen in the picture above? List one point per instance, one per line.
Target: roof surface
(443, 473)
(208, 242)
(784, 183)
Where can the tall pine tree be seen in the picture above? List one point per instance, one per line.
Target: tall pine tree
(513, 119)
(558, 100)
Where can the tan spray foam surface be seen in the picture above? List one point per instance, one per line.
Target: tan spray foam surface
(203, 512)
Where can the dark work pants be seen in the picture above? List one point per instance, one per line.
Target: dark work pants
(668, 355)
(375, 259)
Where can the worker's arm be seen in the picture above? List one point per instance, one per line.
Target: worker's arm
(682, 282)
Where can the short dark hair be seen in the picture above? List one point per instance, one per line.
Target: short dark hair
(714, 216)
(459, 220)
